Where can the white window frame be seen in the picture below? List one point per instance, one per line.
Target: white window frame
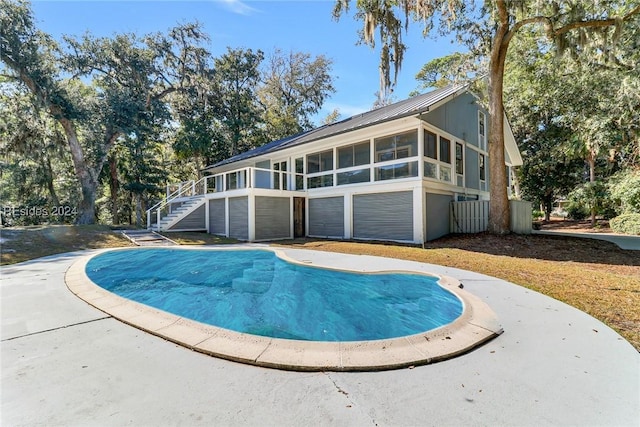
(441, 166)
(482, 131)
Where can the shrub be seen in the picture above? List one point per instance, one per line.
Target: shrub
(626, 223)
(577, 211)
(624, 188)
(588, 196)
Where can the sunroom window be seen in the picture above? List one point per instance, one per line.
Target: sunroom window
(397, 171)
(320, 162)
(396, 147)
(437, 157)
(349, 158)
(354, 155)
(317, 163)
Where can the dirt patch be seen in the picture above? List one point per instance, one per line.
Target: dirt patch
(572, 226)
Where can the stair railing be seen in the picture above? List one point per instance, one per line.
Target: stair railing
(248, 177)
(185, 189)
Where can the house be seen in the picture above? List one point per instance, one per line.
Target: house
(387, 174)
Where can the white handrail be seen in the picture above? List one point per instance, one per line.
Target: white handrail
(244, 178)
(182, 190)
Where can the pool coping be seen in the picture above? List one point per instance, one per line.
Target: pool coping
(475, 326)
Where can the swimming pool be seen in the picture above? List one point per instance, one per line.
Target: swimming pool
(256, 292)
(269, 343)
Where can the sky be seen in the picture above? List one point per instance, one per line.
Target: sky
(290, 25)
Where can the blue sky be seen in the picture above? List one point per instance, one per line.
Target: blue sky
(294, 25)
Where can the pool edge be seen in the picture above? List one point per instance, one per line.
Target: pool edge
(477, 325)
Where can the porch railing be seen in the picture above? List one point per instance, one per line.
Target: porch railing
(249, 177)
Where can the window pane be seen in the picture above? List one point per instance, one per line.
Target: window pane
(407, 145)
(385, 149)
(299, 165)
(353, 177)
(232, 181)
(320, 181)
(313, 163)
(313, 182)
(445, 150)
(430, 145)
(430, 170)
(481, 162)
(345, 157)
(326, 161)
(384, 172)
(445, 173)
(401, 170)
(459, 159)
(362, 154)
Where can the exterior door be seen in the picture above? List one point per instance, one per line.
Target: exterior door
(298, 216)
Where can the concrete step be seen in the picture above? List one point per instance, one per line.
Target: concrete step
(251, 286)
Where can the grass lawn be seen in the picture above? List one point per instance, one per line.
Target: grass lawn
(594, 276)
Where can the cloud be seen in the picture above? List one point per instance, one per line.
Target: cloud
(237, 6)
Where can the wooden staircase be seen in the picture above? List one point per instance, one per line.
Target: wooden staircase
(177, 214)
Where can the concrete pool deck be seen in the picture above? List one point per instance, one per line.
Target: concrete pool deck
(67, 363)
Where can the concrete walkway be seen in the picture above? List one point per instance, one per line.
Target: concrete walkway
(147, 238)
(631, 243)
(66, 363)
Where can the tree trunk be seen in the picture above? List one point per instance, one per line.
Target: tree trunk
(113, 188)
(52, 191)
(592, 179)
(548, 207)
(86, 177)
(138, 209)
(499, 215)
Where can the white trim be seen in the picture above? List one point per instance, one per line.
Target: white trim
(227, 216)
(251, 217)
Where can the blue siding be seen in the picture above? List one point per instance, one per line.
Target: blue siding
(459, 117)
(472, 173)
(438, 206)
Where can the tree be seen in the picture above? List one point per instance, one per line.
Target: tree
(130, 78)
(233, 97)
(332, 117)
(444, 71)
(488, 32)
(34, 162)
(294, 87)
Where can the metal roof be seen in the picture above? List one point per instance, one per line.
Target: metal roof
(409, 107)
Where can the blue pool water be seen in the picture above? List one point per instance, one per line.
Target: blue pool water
(255, 292)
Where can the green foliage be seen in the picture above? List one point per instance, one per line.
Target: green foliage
(441, 72)
(590, 197)
(155, 108)
(98, 89)
(626, 224)
(537, 214)
(576, 210)
(624, 188)
(294, 88)
(234, 100)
